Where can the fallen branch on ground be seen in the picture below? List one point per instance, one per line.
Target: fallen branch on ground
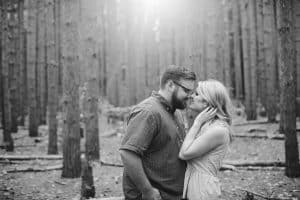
(271, 136)
(236, 163)
(20, 146)
(110, 164)
(227, 167)
(26, 157)
(8, 162)
(32, 169)
(255, 163)
(60, 183)
(259, 168)
(261, 196)
(251, 122)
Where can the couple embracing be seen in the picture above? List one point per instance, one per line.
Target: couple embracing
(161, 160)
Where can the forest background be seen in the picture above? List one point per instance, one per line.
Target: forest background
(67, 64)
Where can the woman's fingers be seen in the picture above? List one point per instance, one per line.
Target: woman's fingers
(212, 111)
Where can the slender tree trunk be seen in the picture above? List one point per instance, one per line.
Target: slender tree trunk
(211, 40)
(31, 68)
(89, 17)
(270, 62)
(296, 12)
(226, 50)
(249, 103)
(52, 67)
(238, 51)
(58, 49)
(41, 61)
(1, 78)
(22, 63)
(103, 51)
(71, 127)
(261, 74)
(6, 110)
(13, 64)
(87, 181)
(253, 57)
(288, 86)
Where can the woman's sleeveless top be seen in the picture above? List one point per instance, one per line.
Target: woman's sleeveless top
(201, 182)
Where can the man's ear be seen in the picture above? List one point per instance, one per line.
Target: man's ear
(170, 85)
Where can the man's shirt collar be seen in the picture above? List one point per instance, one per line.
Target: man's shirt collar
(164, 102)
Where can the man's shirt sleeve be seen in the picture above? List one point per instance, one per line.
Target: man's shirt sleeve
(142, 128)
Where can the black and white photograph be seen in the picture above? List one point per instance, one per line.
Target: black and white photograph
(149, 99)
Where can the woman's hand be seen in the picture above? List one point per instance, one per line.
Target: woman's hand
(207, 114)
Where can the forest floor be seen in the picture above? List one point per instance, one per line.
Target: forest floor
(269, 182)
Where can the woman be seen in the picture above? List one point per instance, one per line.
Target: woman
(207, 141)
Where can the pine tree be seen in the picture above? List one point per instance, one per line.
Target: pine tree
(71, 127)
(31, 68)
(52, 71)
(90, 64)
(270, 49)
(6, 106)
(288, 85)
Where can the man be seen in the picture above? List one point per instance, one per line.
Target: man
(154, 134)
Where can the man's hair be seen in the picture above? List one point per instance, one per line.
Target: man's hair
(176, 73)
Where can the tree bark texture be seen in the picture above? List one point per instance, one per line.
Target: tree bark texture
(90, 64)
(6, 104)
(288, 86)
(31, 68)
(270, 59)
(71, 127)
(52, 71)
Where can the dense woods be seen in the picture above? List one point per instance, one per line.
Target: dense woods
(66, 56)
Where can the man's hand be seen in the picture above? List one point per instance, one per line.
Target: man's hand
(153, 194)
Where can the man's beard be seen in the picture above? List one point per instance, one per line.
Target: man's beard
(177, 103)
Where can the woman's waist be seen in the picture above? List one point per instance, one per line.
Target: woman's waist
(206, 169)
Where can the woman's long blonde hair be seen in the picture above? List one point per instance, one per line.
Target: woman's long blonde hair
(216, 95)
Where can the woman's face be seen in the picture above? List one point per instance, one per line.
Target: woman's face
(197, 102)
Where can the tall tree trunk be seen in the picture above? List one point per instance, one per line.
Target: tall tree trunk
(90, 56)
(6, 110)
(13, 64)
(261, 73)
(1, 79)
(238, 51)
(238, 76)
(211, 40)
(31, 68)
(52, 67)
(288, 86)
(249, 104)
(103, 50)
(253, 57)
(296, 12)
(71, 127)
(227, 50)
(58, 49)
(270, 60)
(22, 71)
(41, 61)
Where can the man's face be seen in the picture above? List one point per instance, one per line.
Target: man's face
(182, 92)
